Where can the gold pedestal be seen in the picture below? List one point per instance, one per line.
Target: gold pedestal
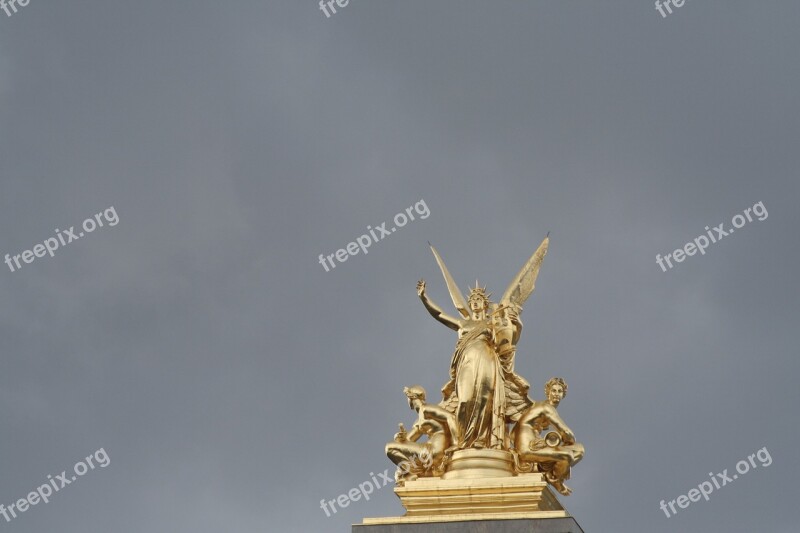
(485, 498)
(468, 464)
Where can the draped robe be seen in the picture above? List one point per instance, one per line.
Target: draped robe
(484, 392)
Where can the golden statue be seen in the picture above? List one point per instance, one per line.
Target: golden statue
(412, 458)
(484, 392)
(471, 463)
(557, 452)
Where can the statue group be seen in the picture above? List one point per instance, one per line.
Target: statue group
(485, 404)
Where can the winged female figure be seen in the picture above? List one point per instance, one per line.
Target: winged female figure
(484, 393)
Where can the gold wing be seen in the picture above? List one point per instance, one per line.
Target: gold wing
(455, 293)
(523, 284)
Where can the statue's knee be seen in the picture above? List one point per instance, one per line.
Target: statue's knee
(579, 451)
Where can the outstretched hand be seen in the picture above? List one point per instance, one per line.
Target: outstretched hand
(421, 287)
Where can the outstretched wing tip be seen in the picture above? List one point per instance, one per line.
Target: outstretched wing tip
(455, 293)
(523, 284)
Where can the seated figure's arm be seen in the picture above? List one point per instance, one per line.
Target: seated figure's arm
(416, 433)
(443, 416)
(525, 428)
(532, 413)
(567, 436)
(434, 412)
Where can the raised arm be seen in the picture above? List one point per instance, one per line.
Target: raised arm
(436, 311)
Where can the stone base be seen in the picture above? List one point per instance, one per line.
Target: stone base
(524, 525)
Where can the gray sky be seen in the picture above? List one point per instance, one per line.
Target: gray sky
(234, 382)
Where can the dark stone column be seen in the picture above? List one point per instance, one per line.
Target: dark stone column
(524, 525)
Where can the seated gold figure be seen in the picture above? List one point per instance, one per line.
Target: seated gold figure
(422, 458)
(557, 452)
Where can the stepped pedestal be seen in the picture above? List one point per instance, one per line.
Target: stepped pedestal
(507, 503)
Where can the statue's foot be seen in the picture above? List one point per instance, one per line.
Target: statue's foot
(563, 489)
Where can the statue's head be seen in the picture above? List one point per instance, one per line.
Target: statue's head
(415, 395)
(556, 390)
(478, 299)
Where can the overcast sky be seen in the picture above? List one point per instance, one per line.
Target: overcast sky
(234, 382)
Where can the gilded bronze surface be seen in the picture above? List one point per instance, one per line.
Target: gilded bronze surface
(488, 448)
(557, 452)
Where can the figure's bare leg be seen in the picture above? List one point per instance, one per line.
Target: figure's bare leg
(403, 451)
(577, 451)
(561, 488)
(558, 472)
(561, 470)
(547, 455)
(559, 461)
(404, 455)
